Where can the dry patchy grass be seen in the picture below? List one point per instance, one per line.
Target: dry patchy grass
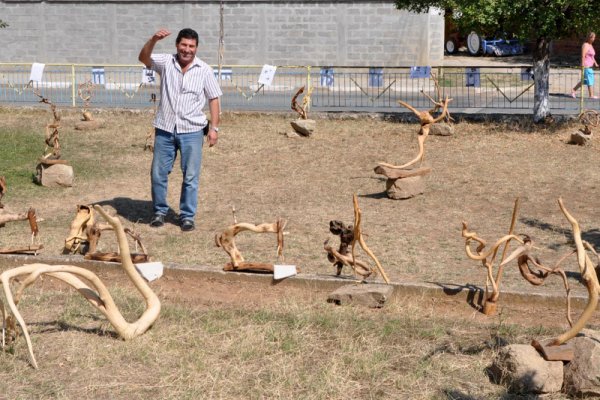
(477, 174)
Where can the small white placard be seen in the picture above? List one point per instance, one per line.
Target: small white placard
(267, 74)
(37, 71)
(420, 72)
(283, 271)
(148, 76)
(150, 270)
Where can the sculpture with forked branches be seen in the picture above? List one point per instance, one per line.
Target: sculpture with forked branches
(525, 262)
(404, 181)
(88, 285)
(341, 258)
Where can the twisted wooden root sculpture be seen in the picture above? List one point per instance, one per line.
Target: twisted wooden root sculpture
(588, 275)
(584, 262)
(85, 232)
(85, 91)
(426, 120)
(51, 134)
(341, 258)
(226, 240)
(89, 286)
(303, 109)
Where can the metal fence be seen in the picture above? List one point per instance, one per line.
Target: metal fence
(473, 89)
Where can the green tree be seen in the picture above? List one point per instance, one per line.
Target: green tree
(539, 20)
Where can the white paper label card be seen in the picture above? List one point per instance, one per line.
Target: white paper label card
(267, 74)
(148, 76)
(284, 271)
(420, 72)
(472, 77)
(150, 270)
(37, 71)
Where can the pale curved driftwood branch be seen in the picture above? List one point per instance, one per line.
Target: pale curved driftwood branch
(226, 239)
(588, 274)
(93, 289)
(359, 238)
(425, 120)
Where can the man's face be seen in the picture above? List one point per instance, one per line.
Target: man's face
(186, 50)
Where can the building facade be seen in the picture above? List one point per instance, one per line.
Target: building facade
(302, 32)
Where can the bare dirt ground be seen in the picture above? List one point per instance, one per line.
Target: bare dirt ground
(477, 173)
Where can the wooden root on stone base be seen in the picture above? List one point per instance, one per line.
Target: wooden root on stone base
(403, 183)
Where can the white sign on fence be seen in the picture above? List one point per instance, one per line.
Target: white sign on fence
(37, 71)
(267, 75)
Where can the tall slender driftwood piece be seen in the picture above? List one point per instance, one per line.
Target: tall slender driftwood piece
(349, 236)
(226, 240)
(85, 91)
(89, 286)
(402, 181)
(52, 170)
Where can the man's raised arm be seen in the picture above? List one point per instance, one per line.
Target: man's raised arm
(146, 52)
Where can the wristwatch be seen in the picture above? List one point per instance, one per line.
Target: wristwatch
(214, 128)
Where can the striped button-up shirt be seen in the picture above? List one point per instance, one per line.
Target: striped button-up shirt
(183, 96)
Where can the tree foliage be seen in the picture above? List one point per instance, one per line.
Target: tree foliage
(526, 19)
(3, 24)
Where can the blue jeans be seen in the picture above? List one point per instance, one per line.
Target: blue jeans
(166, 145)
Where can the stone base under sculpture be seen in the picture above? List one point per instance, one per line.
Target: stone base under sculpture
(54, 175)
(89, 125)
(403, 183)
(368, 295)
(400, 189)
(304, 127)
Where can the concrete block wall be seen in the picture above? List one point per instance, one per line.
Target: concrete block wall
(310, 32)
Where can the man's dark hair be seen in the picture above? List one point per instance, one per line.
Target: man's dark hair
(187, 33)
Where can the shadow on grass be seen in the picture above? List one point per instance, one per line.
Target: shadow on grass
(61, 326)
(137, 211)
(591, 236)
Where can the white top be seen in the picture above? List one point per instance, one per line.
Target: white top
(183, 96)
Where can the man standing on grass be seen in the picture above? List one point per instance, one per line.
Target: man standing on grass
(185, 86)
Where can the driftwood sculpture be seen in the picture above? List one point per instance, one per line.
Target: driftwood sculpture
(149, 145)
(522, 254)
(85, 91)
(349, 236)
(51, 169)
(303, 125)
(30, 216)
(85, 232)
(402, 180)
(226, 240)
(488, 259)
(34, 246)
(589, 119)
(88, 285)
